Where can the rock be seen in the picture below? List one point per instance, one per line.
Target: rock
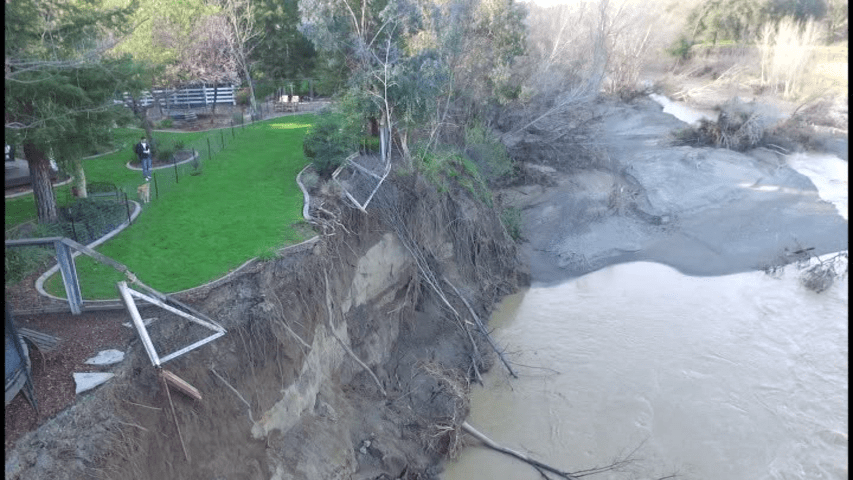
(106, 357)
(88, 381)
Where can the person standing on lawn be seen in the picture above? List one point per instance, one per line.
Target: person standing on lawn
(143, 151)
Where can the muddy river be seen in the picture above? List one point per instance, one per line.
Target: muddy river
(740, 376)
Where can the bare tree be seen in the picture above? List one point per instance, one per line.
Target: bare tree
(240, 17)
(208, 57)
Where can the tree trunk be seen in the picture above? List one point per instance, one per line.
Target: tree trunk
(45, 198)
(252, 101)
(215, 94)
(80, 178)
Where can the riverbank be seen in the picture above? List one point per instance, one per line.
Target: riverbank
(340, 361)
(703, 211)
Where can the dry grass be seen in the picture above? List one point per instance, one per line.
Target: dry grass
(786, 52)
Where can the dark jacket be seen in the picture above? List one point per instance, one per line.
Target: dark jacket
(139, 150)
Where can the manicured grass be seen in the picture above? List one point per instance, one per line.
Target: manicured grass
(244, 204)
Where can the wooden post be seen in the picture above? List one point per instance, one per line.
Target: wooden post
(180, 384)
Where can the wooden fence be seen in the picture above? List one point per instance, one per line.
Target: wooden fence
(189, 97)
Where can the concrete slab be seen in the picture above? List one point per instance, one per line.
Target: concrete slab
(106, 357)
(88, 381)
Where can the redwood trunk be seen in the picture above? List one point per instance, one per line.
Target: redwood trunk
(42, 188)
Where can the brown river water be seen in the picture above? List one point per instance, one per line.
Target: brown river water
(741, 376)
(732, 377)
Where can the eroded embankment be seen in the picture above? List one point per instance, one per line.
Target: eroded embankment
(283, 395)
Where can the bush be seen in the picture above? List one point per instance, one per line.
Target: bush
(20, 262)
(487, 152)
(242, 98)
(166, 123)
(329, 142)
(681, 49)
(165, 151)
(370, 144)
(511, 219)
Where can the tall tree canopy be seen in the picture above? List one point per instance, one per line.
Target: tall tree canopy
(284, 53)
(407, 59)
(59, 85)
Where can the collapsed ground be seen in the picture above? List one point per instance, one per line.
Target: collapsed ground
(315, 412)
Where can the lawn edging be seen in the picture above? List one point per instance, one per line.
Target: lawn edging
(171, 165)
(137, 208)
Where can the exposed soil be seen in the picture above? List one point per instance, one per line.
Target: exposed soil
(704, 211)
(81, 337)
(344, 357)
(306, 408)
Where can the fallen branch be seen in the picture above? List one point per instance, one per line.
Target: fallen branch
(494, 446)
(482, 328)
(133, 425)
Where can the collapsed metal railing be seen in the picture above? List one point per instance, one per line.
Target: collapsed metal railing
(65, 258)
(368, 173)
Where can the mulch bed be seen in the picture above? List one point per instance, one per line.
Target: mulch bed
(82, 336)
(179, 156)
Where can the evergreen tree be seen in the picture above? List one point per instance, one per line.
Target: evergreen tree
(59, 85)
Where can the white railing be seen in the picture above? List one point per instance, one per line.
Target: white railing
(189, 97)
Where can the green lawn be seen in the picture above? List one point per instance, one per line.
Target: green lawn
(246, 203)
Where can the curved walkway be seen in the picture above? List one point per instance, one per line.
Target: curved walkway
(137, 209)
(30, 191)
(64, 182)
(171, 165)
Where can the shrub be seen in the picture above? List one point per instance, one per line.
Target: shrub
(681, 49)
(329, 142)
(164, 151)
(370, 144)
(20, 262)
(511, 219)
(487, 152)
(165, 123)
(242, 98)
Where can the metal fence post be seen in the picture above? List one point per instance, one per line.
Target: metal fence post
(74, 230)
(222, 138)
(127, 206)
(208, 148)
(156, 190)
(69, 277)
(175, 163)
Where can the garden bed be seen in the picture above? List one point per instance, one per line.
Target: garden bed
(179, 156)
